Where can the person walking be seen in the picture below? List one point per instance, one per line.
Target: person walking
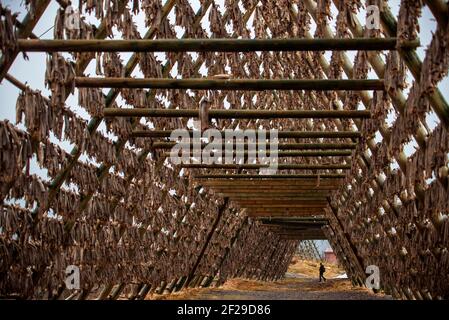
(322, 271)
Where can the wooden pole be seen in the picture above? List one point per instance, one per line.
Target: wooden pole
(276, 202)
(256, 194)
(280, 134)
(234, 84)
(143, 292)
(266, 192)
(191, 275)
(28, 23)
(258, 166)
(270, 184)
(213, 45)
(279, 205)
(275, 176)
(299, 236)
(284, 154)
(440, 10)
(255, 213)
(281, 145)
(236, 113)
(413, 62)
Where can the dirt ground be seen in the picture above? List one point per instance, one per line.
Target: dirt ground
(300, 283)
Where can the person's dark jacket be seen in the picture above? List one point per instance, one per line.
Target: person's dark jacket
(322, 269)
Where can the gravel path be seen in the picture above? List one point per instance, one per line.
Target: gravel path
(290, 288)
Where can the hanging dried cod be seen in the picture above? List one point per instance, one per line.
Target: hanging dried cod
(8, 35)
(59, 78)
(93, 100)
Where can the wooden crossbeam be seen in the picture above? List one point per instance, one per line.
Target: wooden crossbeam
(274, 188)
(296, 227)
(280, 205)
(213, 45)
(277, 194)
(229, 177)
(287, 211)
(299, 232)
(235, 84)
(28, 24)
(278, 214)
(258, 166)
(281, 154)
(274, 202)
(306, 181)
(297, 187)
(280, 134)
(281, 145)
(283, 230)
(300, 237)
(295, 219)
(296, 222)
(284, 209)
(268, 193)
(313, 236)
(261, 199)
(236, 113)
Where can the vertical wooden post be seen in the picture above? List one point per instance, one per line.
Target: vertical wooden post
(143, 292)
(221, 210)
(105, 291)
(358, 259)
(161, 288)
(116, 292)
(180, 283)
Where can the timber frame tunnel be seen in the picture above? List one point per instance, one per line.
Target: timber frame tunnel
(132, 219)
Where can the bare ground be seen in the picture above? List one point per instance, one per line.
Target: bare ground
(300, 283)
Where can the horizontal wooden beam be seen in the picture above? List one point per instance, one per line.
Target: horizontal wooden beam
(280, 134)
(267, 205)
(280, 154)
(236, 113)
(213, 45)
(272, 176)
(275, 194)
(281, 222)
(275, 190)
(316, 227)
(305, 227)
(281, 145)
(300, 232)
(235, 84)
(294, 219)
(277, 214)
(268, 192)
(275, 202)
(301, 238)
(258, 166)
(262, 198)
(271, 183)
(286, 212)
